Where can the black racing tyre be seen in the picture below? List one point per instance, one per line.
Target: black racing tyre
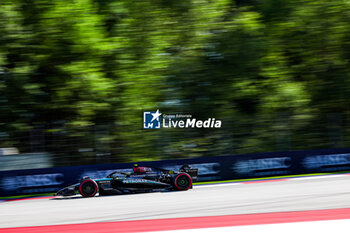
(182, 181)
(88, 188)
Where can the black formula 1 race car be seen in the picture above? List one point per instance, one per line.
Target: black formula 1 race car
(142, 179)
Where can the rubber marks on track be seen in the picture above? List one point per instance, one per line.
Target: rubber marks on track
(189, 223)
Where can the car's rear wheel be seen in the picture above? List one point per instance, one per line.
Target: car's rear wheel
(182, 181)
(88, 188)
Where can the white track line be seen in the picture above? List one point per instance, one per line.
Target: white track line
(320, 177)
(277, 179)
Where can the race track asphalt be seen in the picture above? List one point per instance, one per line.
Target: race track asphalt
(299, 194)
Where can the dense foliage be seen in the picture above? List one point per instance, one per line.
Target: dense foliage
(77, 74)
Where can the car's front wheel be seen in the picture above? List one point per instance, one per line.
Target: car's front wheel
(88, 188)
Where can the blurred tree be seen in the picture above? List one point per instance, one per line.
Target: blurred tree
(81, 72)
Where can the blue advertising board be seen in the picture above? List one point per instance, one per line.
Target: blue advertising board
(19, 182)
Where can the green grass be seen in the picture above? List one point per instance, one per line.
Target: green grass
(27, 195)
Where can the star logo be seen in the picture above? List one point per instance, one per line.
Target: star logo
(156, 115)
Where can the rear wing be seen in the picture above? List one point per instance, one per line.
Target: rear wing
(193, 172)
